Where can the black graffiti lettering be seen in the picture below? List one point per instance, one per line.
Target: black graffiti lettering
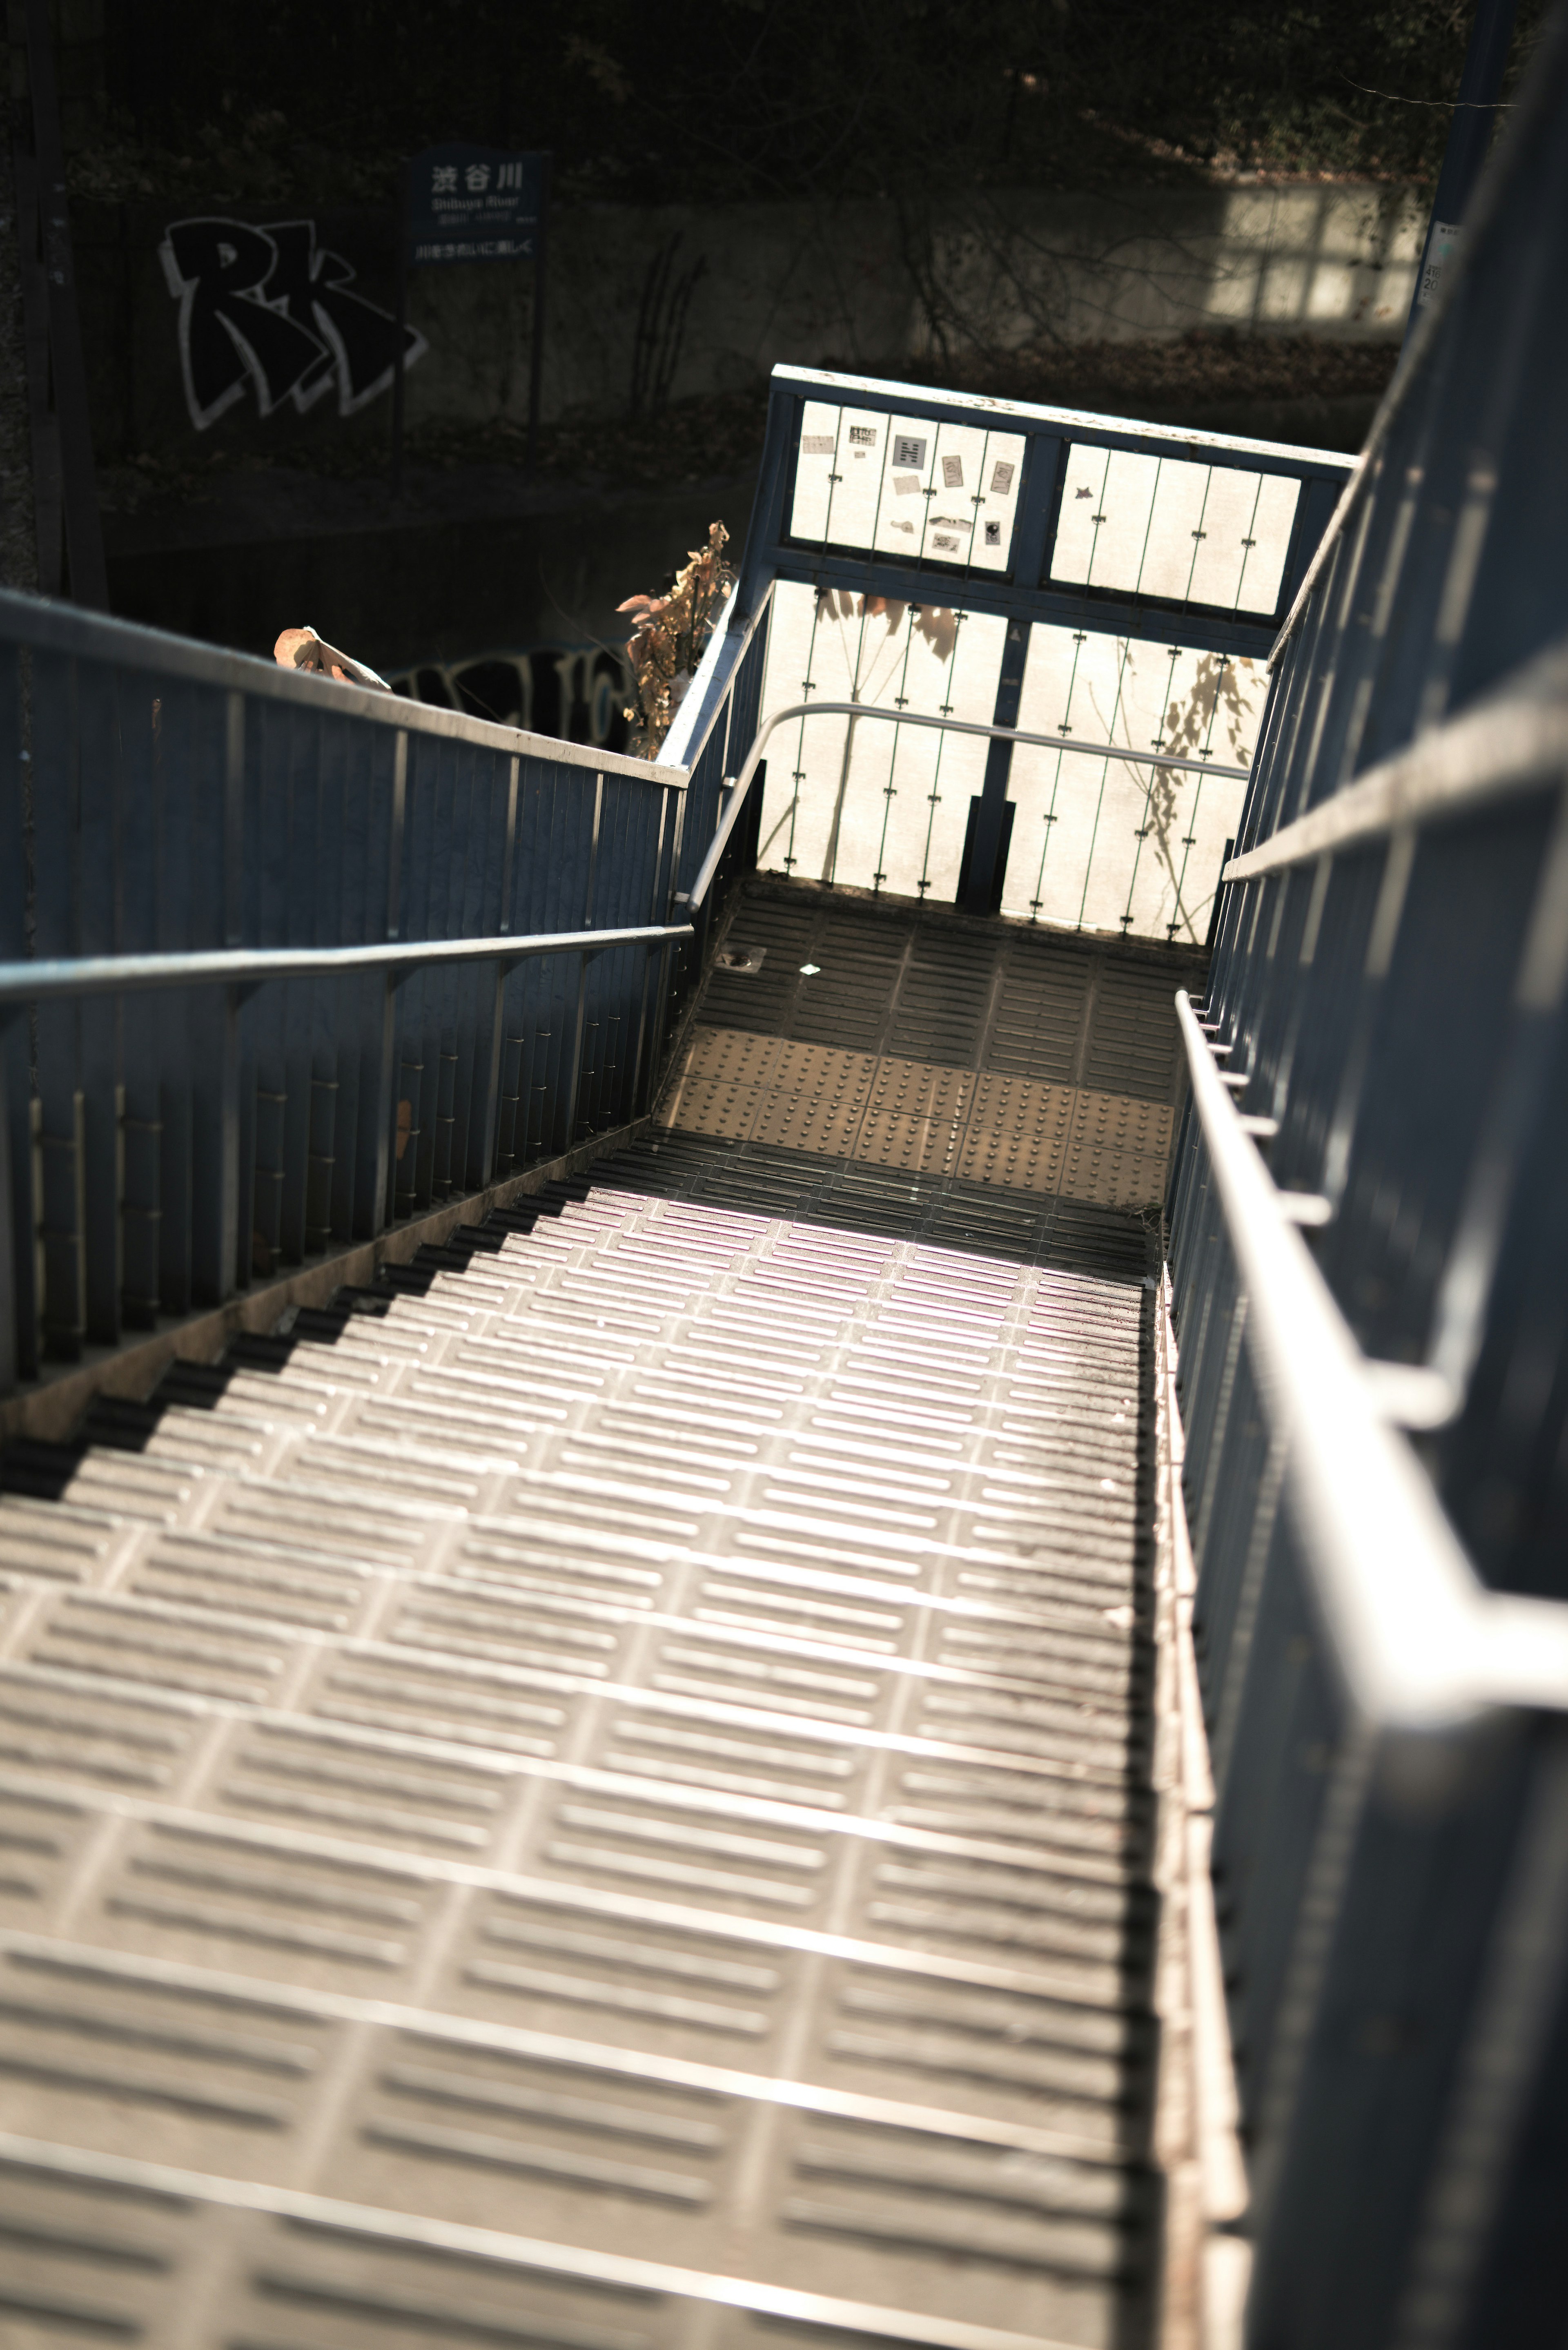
(361, 341)
(265, 307)
(227, 331)
(288, 291)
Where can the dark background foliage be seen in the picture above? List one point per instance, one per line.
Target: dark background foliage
(701, 99)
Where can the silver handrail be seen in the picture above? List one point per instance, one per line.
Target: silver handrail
(738, 786)
(724, 653)
(1423, 1646)
(27, 983)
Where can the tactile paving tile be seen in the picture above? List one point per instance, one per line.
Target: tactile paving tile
(928, 1145)
(920, 1117)
(817, 1100)
(1118, 1149)
(1018, 1133)
(720, 1084)
(922, 1089)
(608, 1806)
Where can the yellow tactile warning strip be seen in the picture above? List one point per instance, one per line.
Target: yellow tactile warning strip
(926, 1120)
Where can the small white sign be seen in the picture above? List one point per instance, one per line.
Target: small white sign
(1443, 248)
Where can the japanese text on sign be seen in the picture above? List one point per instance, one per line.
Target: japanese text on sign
(473, 203)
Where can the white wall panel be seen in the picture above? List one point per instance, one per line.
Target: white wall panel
(1102, 844)
(1192, 533)
(866, 802)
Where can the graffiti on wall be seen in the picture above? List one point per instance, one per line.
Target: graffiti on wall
(577, 692)
(270, 311)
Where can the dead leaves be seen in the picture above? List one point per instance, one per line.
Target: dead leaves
(669, 635)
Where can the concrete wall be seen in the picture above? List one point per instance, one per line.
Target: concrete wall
(721, 293)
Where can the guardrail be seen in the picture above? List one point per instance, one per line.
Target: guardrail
(736, 788)
(1381, 1621)
(399, 954)
(1389, 1743)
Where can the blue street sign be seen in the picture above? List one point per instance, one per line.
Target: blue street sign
(473, 203)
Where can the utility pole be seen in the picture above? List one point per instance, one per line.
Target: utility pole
(1470, 136)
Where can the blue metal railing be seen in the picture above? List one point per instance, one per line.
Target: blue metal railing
(736, 788)
(1389, 1743)
(364, 923)
(1381, 1620)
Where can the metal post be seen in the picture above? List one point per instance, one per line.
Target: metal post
(18, 1313)
(1470, 136)
(988, 854)
(536, 353)
(483, 1130)
(88, 573)
(398, 368)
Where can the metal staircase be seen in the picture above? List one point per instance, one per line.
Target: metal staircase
(740, 1605)
(598, 1793)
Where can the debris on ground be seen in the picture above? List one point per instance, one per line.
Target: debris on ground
(669, 635)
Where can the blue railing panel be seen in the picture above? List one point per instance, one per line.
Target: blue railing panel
(160, 797)
(1390, 987)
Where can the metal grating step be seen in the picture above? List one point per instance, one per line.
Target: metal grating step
(1022, 1227)
(599, 1796)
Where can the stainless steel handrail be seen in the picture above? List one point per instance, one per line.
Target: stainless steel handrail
(738, 786)
(27, 983)
(1423, 1646)
(724, 652)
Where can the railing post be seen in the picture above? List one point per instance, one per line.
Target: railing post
(373, 1202)
(484, 1122)
(100, 914)
(216, 1052)
(19, 1336)
(216, 1147)
(982, 894)
(579, 1028)
(65, 369)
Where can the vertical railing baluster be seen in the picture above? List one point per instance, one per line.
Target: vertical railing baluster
(287, 865)
(215, 1155)
(345, 827)
(486, 1122)
(651, 911)
(574, 1071)
(375, 1200)
(471, 995)
(20, 1301)
(57, 869)
(99, 931)
(13, 1260)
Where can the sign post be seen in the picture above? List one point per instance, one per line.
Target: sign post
(459, 203)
